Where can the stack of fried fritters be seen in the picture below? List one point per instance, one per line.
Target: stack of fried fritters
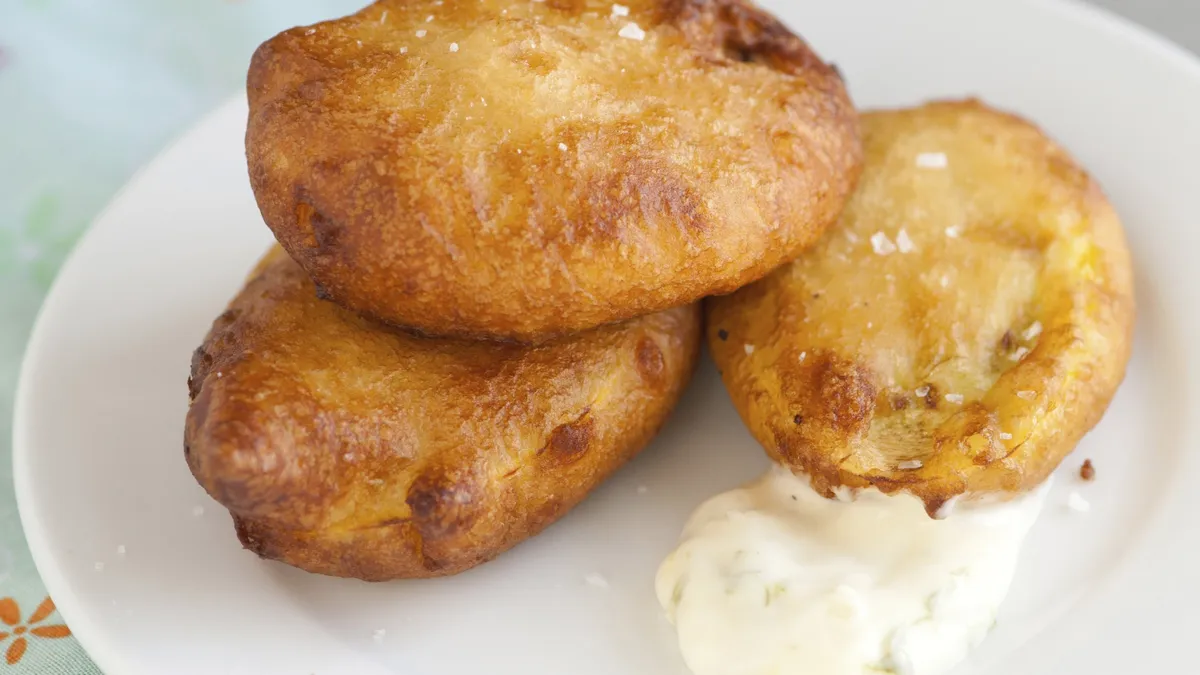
(496, 220)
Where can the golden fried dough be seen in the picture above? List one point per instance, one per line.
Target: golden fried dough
(348, 449)
(521, 170)
(960, 329)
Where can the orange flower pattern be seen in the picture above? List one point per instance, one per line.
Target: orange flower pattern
(10, 614)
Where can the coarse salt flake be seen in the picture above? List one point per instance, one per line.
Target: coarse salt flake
(749, 349)
(404, 50)
(1077, 503)
(922, 391)
(932, 160)
(383, 17)
(1026, 395)
(453, 46)
(632, 31)
(1034, 330)
(422, 33)
(881, 244)
(803, 355)
(620, 10)
(954, 231)
(1019, 354)
(562, 146)
(903, 242)
(910, 464)
(954, 398)
(596, 580)
(1005, 436)
(429, 18)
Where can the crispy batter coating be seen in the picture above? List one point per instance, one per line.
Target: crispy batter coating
(348, 449)
(960, 329)
(519, 170)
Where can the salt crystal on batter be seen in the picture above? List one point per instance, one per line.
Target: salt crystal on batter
(954, 398)
(562, 146)
(620, 10)
(749, 349)
(1005, 436)
(429, 18)
(903, 242)
(922, 391)
(453, 46)
(932, 160)
(632, 31)
(404, 50)
(1026, 395)
(910, 464)
(383, 17)
(1019, 354)
(422, 33)
(881, 244)
(1034, 330)
(953, 231)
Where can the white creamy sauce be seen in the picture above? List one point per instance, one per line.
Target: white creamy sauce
(774, 579)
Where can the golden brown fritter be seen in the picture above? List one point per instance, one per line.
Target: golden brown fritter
(960, 329)
(348, 449)
(519, 170)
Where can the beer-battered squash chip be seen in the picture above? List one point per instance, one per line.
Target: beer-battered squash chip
(345, 448)
(960, 329)
(522, 170)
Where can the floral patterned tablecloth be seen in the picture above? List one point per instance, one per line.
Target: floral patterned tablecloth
(89, 91)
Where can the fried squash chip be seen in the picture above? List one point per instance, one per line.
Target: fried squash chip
(962, 327)
(349, 449)
(519, 170)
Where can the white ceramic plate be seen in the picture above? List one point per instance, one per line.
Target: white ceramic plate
(99, 463)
